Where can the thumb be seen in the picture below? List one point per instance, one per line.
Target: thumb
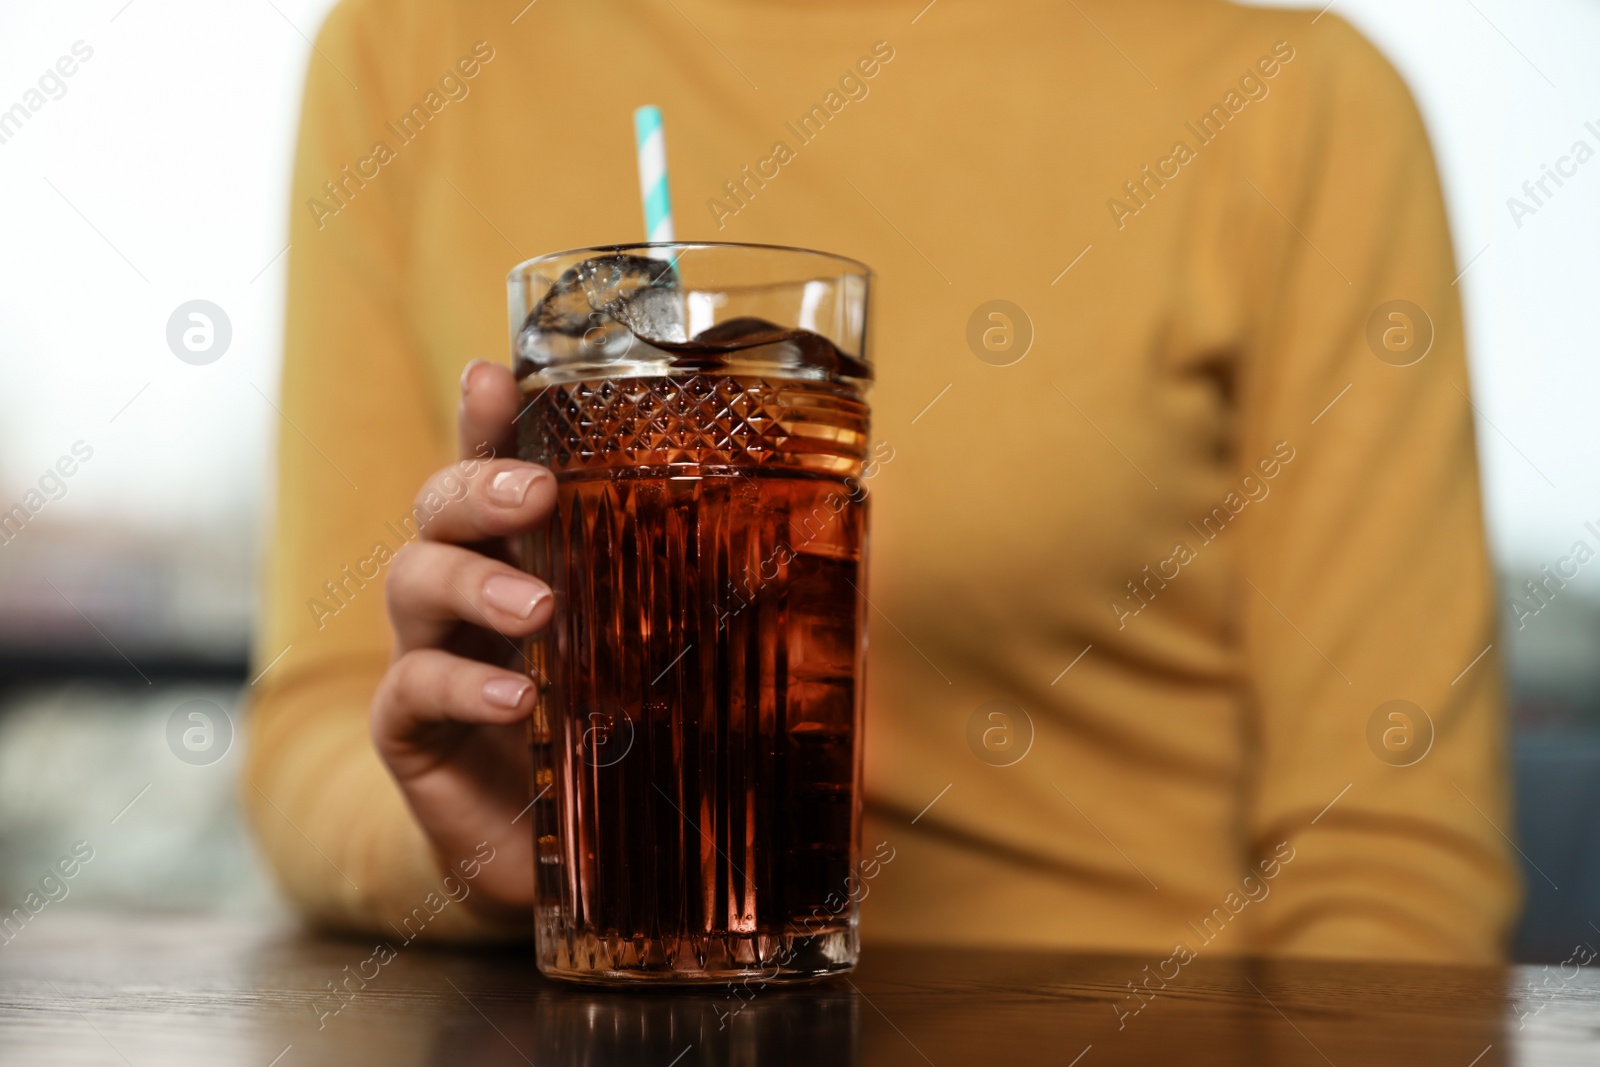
(489, 403)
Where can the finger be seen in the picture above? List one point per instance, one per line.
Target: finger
(475, 500)
(490, 401)
(427, 686)
(432, 588)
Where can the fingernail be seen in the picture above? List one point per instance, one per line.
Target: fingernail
(466, 375)
(510, 488)
(518, 596)
(506, 692)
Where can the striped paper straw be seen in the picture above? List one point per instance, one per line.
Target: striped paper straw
(653, 173)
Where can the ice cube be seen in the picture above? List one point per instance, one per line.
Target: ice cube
(597, 309)
(758, 340)
(563, 328)
(639, 292)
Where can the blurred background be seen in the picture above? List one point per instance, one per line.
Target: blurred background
(156, 174)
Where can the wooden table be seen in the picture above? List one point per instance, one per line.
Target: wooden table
(81, 988)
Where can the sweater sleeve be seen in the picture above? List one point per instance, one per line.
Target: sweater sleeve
(1367, 579)
(359, 432)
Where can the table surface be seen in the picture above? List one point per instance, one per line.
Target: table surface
(81, 988)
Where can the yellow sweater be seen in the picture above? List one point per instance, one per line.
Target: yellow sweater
(1191, 540)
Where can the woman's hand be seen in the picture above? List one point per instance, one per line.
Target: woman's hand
(447, 718)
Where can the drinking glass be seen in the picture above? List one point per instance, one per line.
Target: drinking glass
(697, 738)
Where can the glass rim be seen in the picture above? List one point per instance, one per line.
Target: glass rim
(531, 266)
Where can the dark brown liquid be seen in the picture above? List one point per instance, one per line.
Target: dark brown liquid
(697, 732)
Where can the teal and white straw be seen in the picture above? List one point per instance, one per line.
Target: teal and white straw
(653, 174)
